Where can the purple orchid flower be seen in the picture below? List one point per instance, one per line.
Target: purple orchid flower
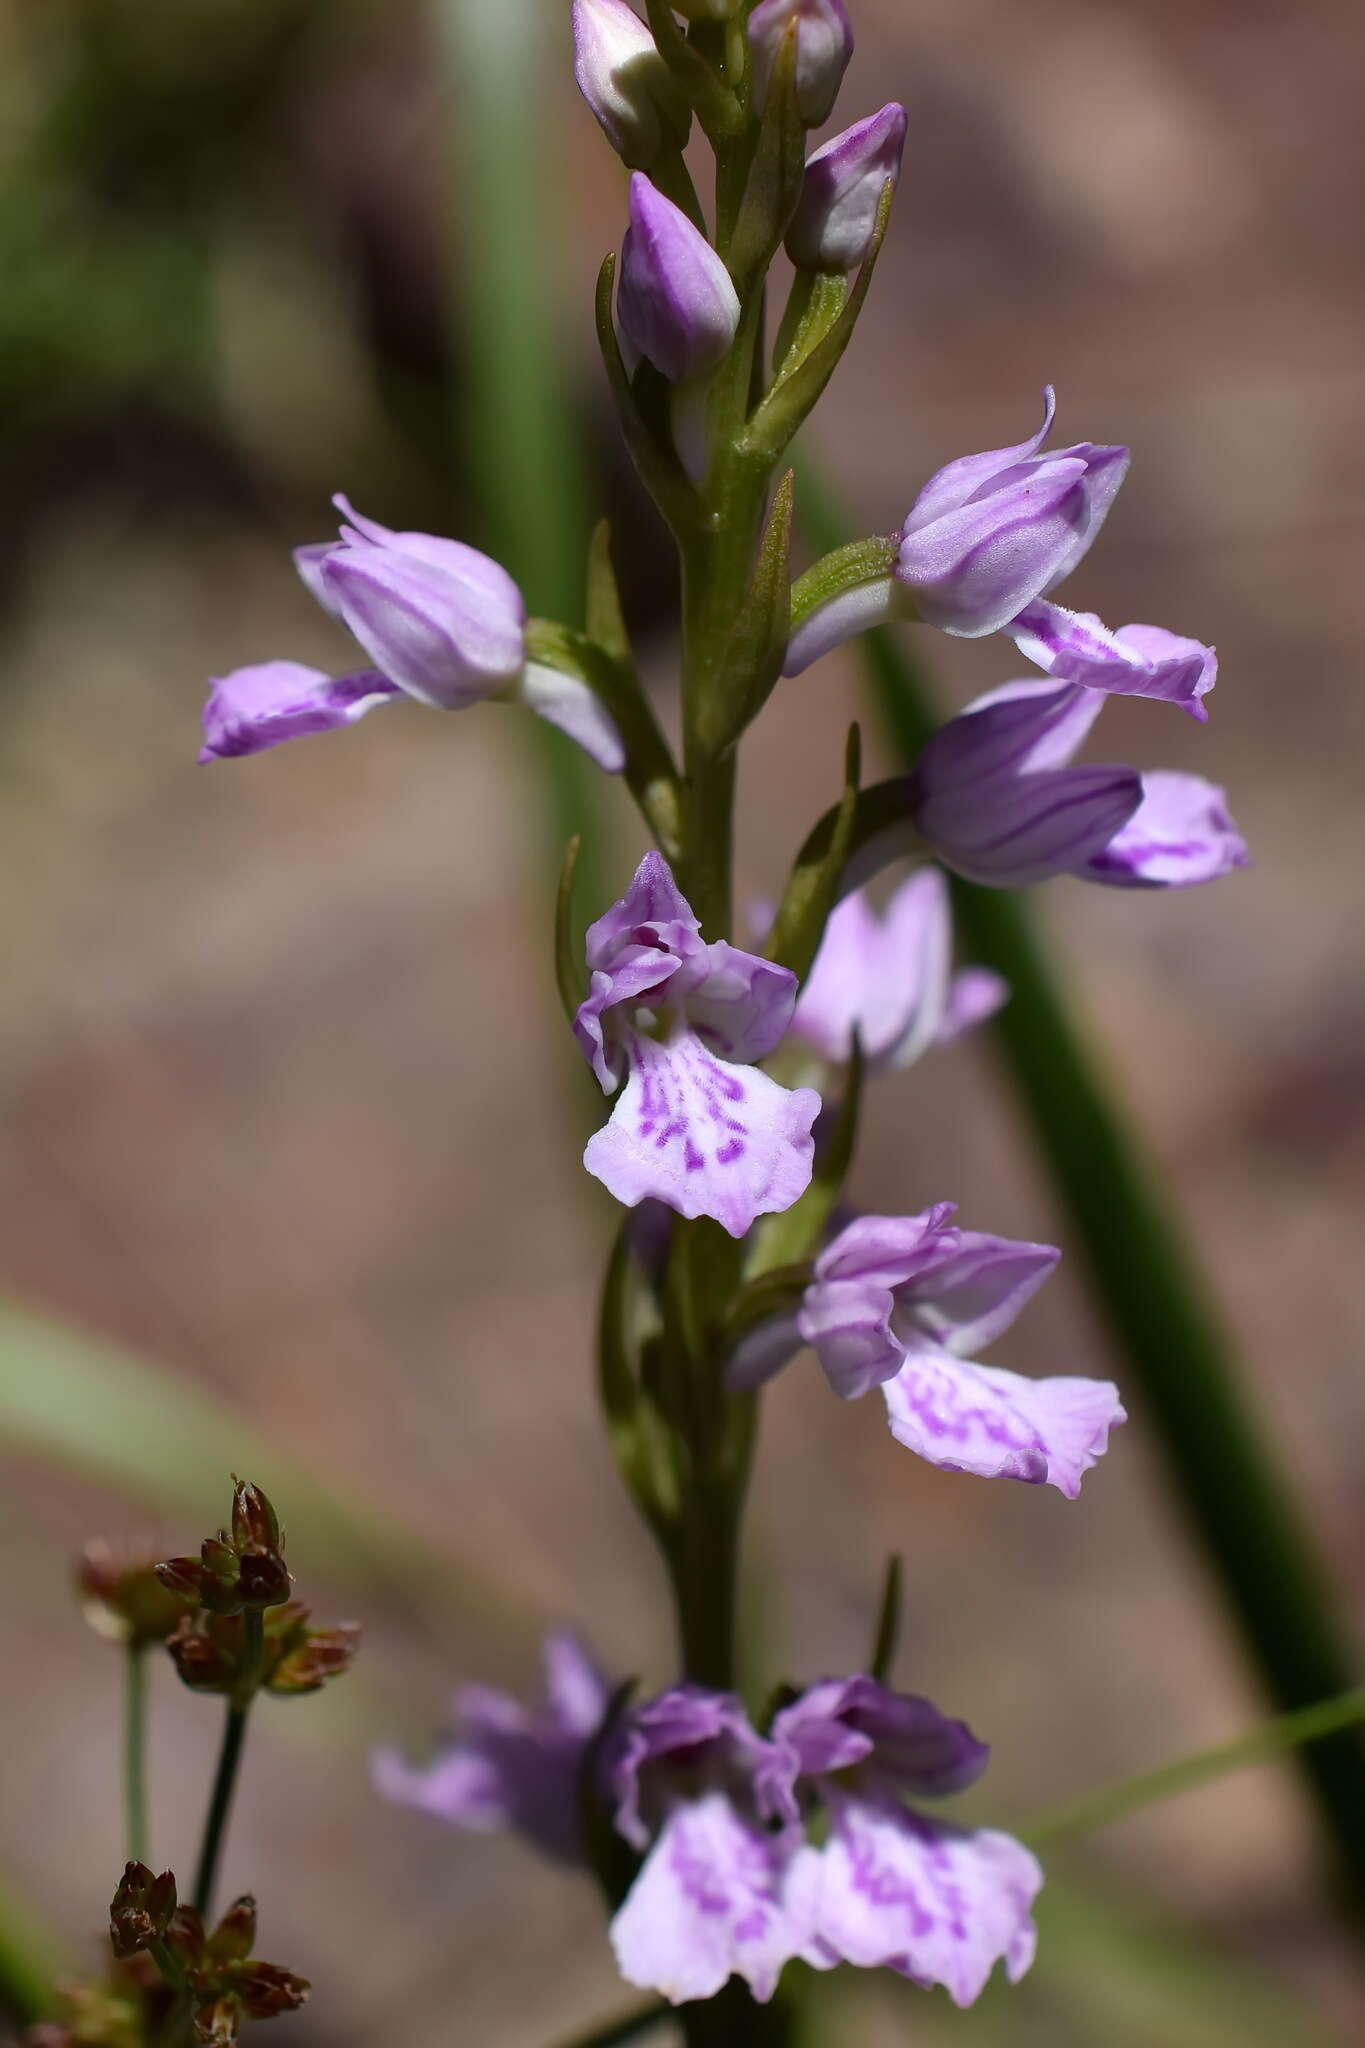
(633, 95)
(509, 1766)
(891, 1888)
(903, 1303)
(674, 1018)
(833, 223)
(995, 796)
(824, 45)
(1137, 661)
(676, 303)
(890, 978)
(441, 623)
(708, 1901)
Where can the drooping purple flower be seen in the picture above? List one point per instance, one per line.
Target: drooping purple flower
(257, 707)
(631, 91)
(824, 45)
(678, 1020)
(708, 1902)
(676, 302)
(890, 1888)
(986, 536)
(833, 223)
(996, 797)
(510, 1766)
(1137, 661)
(903, 1303)
(441, 622)
(891, 979)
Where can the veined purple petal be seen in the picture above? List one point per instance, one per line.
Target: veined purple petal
(1139, 661)
(1181, 834)
(957, 481)
(707, 1905)
(258, 707)
(429, 626)
(679, 1744)
(1007, 833)
(941, 1905)
(973, 1418)
(739, 1003)
(967, 1299)
(653, 913)
(1016, 729)
(704, 1136)
(846, 1723)
(887, 977)
(847, 1324)
(890, 1250)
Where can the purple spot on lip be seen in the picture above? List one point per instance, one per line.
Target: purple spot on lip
(692, 1158)
(728, 1154)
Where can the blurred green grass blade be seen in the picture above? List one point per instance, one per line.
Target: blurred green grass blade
(516, 420)
(1173, 1354)
(31, 1963)
(1274, 1739)
(94, 1409)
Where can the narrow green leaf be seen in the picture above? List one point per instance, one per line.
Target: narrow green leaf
(717, 108)
(568, 966)
(751, 659)
(847, 568)
(888, 1621)
(604, 618)
(812, 890)
(1175, 1356)
(776, 174)
(792, 400)
(660, 470)
(1259, 1745)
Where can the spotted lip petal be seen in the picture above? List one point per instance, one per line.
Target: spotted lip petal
(965, 1417)
(706, 1137)
(893, 1890)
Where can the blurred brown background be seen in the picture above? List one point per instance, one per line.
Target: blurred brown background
(287, 1108)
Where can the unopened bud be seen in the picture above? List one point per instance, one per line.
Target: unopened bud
(677, 304)
(637, 102)
(140, 1910)
(232, 1939)
(254, 1521)
(833, 224)
(824, 44)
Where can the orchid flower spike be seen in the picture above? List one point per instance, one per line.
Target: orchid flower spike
(824, 45)
(890, 979)
(633, 95)
(679, 1021)
(903, 1303)
(834, 220)
(440, 622)
(995, 796)
(890, 1887)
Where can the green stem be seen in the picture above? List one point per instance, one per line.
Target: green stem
(134, 1747)
(229, 1759)
(1176, 1357)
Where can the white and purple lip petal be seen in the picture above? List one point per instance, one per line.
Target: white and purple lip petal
(260, 706)
(891, 1889)
(1136, 661)
(1181, 834)
(964, 1417)
(708, 1904)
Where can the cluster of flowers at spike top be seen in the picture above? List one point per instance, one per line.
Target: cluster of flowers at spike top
(754, 1849)
(442, 624)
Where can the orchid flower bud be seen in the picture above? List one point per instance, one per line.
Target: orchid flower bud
(824, 44)
(834, 221)
(632, 93)
(676, 304)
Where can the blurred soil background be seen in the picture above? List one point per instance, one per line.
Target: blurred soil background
(288, 1108)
